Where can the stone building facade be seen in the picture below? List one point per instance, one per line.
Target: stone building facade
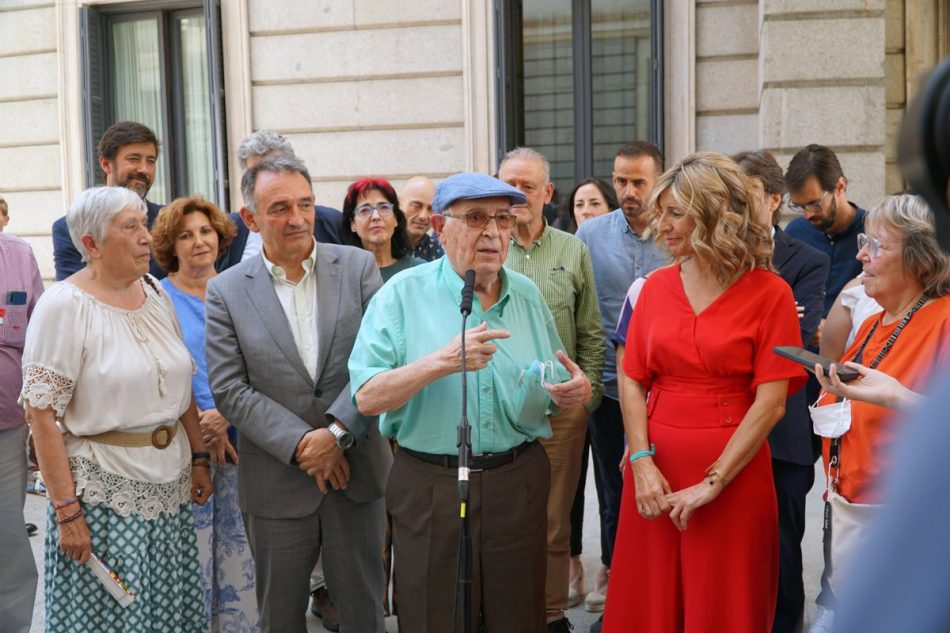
(398, 88)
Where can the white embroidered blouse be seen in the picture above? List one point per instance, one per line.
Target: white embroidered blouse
(102, 368)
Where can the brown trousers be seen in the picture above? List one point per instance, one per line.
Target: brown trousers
(507, 521)
(564, 451)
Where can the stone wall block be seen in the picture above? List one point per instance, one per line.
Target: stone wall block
(771, 7)
(383, 51)
(27, 30)
(894, 25)
(381, 152)
(849, 115)
(728, 133)
(894, 79)
(727, 85)
(266, 15)
(25, 122)
(30, 167)
(385, 11)
(727, 30)
(805, 50)
(359, 103)
(33, 212)
(29, 75)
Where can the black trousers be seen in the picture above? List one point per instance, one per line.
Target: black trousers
(607, 444)
(792, 483)
(577, 509)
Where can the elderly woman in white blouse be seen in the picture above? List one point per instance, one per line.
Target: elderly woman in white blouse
(107, 391)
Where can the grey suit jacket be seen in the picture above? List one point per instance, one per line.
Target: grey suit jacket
(261, 386)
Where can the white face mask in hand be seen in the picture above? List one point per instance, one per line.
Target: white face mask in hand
(831, 420)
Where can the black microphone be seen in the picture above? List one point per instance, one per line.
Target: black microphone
(467, 291)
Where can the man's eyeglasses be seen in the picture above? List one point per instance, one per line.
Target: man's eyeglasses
(366, 210)
(872, 244)
(814, 204)
(480, 219)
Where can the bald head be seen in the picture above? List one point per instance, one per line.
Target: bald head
(415, 200)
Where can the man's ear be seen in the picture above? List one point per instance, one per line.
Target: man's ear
(438, 222)
(548, 192)
(249, 220)
(842, 184)
(106, 167)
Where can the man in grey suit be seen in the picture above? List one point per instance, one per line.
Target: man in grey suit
(280, 327)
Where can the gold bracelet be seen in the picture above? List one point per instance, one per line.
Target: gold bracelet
(713, 471)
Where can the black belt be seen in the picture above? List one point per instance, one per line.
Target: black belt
(479, 462)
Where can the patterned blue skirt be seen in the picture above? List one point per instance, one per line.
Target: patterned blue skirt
(157, 559)
(227, 568)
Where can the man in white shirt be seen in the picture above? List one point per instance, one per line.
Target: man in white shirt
(280, 328)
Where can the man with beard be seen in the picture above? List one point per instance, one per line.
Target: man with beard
(415, 200)
(128, 153)
(621, 249)
(829, 222)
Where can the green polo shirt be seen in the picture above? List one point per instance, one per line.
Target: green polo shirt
(560, 265)
(417, 313)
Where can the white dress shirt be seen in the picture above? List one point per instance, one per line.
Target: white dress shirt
(299, 301)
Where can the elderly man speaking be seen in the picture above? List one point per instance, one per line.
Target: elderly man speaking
(406, 366)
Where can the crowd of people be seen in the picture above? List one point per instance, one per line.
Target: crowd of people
(245, 415)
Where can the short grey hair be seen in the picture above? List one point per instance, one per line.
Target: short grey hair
(93, 210)
(262, 143)
(274, 164)
(527, 153)
(911, 218)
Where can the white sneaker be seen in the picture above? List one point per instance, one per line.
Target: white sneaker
(824, 618)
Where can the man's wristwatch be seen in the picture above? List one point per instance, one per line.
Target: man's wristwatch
(344, 439)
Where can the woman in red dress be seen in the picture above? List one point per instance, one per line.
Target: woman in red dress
(697, 543)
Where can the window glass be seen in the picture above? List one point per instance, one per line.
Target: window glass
(137, 83)
(548, 54)
(577, 81)
(621, 72)
(196, 104)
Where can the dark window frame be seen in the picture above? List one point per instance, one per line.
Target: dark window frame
(509, 79)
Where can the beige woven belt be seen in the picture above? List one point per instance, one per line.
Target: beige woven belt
(161, 437)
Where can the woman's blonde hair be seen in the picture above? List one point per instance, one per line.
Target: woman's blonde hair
(911, 218)
(724, 203)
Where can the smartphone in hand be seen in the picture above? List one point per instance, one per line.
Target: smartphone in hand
(808, 360)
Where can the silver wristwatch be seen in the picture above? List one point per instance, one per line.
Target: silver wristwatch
(344, 439)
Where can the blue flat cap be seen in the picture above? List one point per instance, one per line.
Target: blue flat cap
(471, 185)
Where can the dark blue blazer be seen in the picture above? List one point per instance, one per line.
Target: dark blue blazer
(805, 269)
(67, 260)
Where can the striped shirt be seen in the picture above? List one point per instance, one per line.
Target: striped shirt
(20, 287)
(560, 265)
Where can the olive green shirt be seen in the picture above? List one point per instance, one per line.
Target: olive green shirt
(560, 265)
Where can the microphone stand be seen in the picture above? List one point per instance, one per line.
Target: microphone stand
(464, 441)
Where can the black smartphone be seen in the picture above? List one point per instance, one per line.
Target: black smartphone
(16, 298)
(808, 360)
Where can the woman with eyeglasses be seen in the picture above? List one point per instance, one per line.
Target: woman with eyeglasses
(896, 351)
(372, 220)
